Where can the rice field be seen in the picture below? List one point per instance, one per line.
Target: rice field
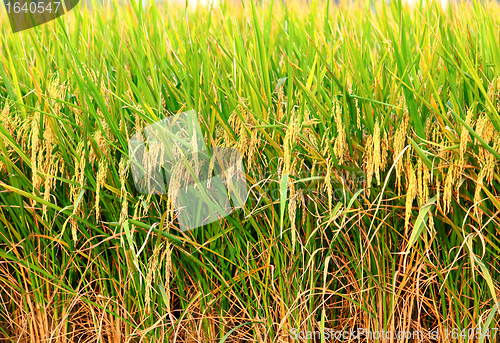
(370, 140)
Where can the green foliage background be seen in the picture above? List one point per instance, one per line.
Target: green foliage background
(377, 131)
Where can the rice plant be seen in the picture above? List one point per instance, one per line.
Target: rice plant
(370, 138)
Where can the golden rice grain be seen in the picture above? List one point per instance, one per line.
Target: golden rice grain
(35, 147)
(369, 166)
(358, 113)
(491, 90)
(328, 183)
(438, 193)
(167, 258)
(123, 170)
(101, 179)
(411, 193)
(448, 187)
(377, 155)
(79, 178)
(464, 139)
(101, 143)
(5, 119)
(151, 276)
(340, 145)
(477, 195)
(281, 106)
(420, 183)
(426, 192)
(292, 210)
(491, 162)
(384, 152)
(498, 94)
(399, 143)
(196, 161)
(289, 143)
